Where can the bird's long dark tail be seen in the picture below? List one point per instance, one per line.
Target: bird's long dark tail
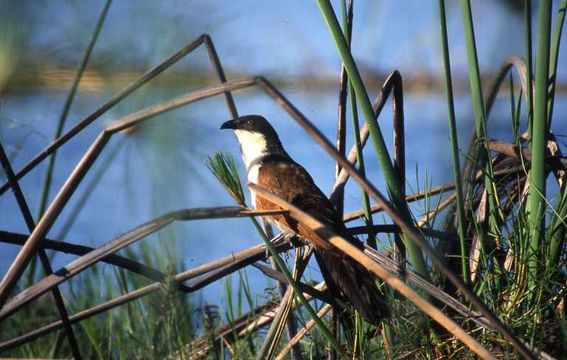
(355, 283)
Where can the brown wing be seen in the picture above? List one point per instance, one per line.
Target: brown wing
(290, 181)
(342, 274)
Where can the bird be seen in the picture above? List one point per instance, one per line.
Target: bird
(268, 165)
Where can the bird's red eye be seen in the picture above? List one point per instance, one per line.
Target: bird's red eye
(249, 123)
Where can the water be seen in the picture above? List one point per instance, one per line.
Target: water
(160, 166)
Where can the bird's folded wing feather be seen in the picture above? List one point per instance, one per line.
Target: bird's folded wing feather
(293, 183)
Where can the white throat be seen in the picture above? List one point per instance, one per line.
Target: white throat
(254, 147)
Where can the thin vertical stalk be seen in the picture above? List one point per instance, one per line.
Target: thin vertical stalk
(554, 57)
(474, 73)
(515, 112)
(394, 191)
(454, 141)
(371, 241)
(399, 160)
(341, 120)
(529, 73)
(479, 111)
(536, 192)
(290, 323)
(348, 17)
(339, 199)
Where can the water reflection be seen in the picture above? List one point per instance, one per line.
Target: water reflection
(160, 166)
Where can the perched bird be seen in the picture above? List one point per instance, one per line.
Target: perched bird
(268, 165)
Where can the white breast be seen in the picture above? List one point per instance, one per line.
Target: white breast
(253, 178)
(254, 147)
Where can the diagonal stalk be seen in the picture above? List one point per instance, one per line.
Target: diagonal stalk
(129, 89)
(46, 188)
(67, 107)
(235, 261)
(26, 213)
(391, 279)
(407, 227)
(393, 186)
(82, 263)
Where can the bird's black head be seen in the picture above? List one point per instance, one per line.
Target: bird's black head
(256, 136)
(252, 123)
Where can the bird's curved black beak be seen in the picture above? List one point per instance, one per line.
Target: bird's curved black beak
(230, 124)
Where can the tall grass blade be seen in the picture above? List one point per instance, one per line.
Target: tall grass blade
(386, 165)
(537, 175)
(482, 157)
(454, 142)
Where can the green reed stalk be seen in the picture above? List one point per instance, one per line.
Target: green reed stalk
(454, 141)
(536, 193)
(479, 112)
(394, 189)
